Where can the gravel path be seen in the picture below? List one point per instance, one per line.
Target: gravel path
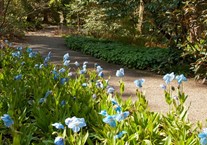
(45, 41)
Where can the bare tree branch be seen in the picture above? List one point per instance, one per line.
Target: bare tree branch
(5, 12)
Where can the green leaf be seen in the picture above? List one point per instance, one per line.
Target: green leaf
(85, 138)
(16, 139)
(168, 141)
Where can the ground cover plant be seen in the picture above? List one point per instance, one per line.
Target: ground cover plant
(160, 60)
(70, 104)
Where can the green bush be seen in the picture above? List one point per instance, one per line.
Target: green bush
(118, 53)
(36, 94)
(197, 53)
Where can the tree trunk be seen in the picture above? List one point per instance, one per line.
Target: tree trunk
(64, 17)
(46, 16)
(1, 8)
(78, 21)
(4, 12)
(141, 16)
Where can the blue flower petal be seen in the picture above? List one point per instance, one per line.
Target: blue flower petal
(110, 120)
(120, 134)
(58, 125)
(139, 83)
(169, 77)
(59, 141)
(120, 73)
(7, 120)
(103, 112)
(122, 116)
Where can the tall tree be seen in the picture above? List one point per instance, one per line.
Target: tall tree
(1, 7)
(141, 16)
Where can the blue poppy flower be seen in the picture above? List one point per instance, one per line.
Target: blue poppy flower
(181, 78)
(47, 58)
(58, 125)
(42, 100)
(66, 57)
(85, 62)
(18, 77)
(101, 74)
(7, 120)
(99, 69)
(203, 137)
(169, 77)
(45, 97)
(113, 101)
(83, 71)
(122, 116)
(63, 103)
(56, 74)
(103, 113)
(66, 63)
(29, 50)
(110, 90)
(22, 63)
(49, 55)
(95, 65)
(99, 84)
(70, 74)
(62, 70)
(139, 83)
(120, 73)
(94, 96)
(16, 54)
(59, 141)
(84, 67)
(48, 93)
(19, 48)
(164, 87)
(120, 134)
(32, 54)
(63, 81)
(76, 64)
(110, 120)
(69, 120)
(117, 108)
(75, 123)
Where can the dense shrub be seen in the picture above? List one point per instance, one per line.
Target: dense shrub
(45, 104)
(197, 53)
(118, 53)
(160, 60)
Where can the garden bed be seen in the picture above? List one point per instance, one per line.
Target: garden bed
(45, 104)
(119, 53)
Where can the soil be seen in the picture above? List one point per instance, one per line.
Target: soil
(51, 40)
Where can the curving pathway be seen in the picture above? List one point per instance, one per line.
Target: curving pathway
(45, 41)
